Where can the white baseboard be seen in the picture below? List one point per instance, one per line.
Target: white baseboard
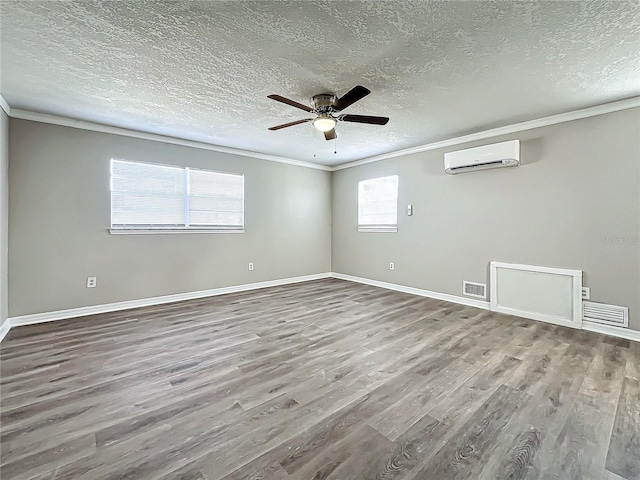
(592, 327)
(620, 332)
(4, 328)
(415, 291)
(540, 317)
(146, 302)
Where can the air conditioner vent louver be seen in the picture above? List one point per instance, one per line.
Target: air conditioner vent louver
(607, 314)
(474, 289)
(503, 154)
(478, 166)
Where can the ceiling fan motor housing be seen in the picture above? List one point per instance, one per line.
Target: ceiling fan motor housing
(323, 102)
(326, 106)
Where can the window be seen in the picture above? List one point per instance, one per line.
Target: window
(378, 204)
(147, 197)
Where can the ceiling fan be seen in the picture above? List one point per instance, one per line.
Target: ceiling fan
(325, 106)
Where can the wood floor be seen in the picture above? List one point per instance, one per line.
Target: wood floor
(319, 380)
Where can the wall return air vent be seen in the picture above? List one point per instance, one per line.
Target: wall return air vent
(606, 314)
(471, 289)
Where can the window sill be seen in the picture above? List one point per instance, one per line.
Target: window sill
(168, 231)
(378, 229)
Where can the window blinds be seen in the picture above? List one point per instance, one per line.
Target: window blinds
(378, 204)
(147, 196)
(216, 199)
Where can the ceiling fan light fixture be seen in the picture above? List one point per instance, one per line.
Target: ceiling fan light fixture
(324, 122)
(326, 107)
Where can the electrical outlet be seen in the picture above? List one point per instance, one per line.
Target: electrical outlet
(586, 293)
(392, 266)
(409, 210)
(251, 266)
(91, 282)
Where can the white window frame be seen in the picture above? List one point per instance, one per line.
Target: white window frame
(163, 230)
(367, 228)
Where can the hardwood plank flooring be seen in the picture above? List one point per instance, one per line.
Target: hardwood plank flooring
(319, 380)
(624, 450)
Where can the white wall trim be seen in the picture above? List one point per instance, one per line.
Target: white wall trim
(5, 106)
(114, 307)
(535, 268)
(6, 325)
(620, 332)
(537, 316)
(4, 329)
(508, 129)
(126, 132)
(146, 302)
(486, 134)
(592, 327)
(576, 293)
(414, 291)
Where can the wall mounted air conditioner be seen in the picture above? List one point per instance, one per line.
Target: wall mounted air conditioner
(503, 154)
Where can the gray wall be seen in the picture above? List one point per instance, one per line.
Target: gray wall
(573, 203)
(4, 212)
(60, 213)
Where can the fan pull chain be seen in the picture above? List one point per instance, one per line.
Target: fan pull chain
(315, 143)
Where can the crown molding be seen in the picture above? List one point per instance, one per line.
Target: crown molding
(486, 134)
(5, 106)
(508, 129)
(126, 132)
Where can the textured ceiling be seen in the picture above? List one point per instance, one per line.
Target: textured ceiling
(203, 70)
